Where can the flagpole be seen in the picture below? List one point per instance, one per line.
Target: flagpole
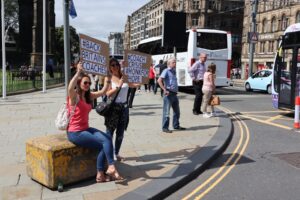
(66, 43)
(3, 52)
(44, 46)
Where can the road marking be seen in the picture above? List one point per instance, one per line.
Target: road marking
(231, 167)
(260, 116)
(274, 118)
(268, 123)
(225, 164)
(271, 111)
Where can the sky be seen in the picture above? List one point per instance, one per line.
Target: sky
(97, 18)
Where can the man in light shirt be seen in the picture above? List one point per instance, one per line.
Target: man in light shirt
(196, 72)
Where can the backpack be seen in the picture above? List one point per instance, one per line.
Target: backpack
(63, 117)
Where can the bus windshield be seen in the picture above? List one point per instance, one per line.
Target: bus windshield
(212, 41)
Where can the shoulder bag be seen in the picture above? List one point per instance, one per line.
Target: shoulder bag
(63, 117)
(104, 108)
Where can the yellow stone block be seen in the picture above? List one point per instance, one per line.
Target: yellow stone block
(53, 159)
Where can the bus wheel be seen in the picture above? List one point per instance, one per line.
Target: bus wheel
(247, 87)
(269, 89)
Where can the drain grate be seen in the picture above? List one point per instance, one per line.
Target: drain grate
(291, 158)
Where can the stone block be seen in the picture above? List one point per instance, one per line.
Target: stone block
(52, 159)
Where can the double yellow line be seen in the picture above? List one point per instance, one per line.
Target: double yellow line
(218, 176)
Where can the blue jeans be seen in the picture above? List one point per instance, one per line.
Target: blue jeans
(170, 101)
(119, 130)
(95, 139)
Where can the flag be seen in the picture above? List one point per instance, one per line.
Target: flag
(72, 9)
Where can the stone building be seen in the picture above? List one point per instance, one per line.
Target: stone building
(273, 17)
(116, 41)
(147, 21)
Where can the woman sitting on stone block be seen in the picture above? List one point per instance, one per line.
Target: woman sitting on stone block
(80, 133)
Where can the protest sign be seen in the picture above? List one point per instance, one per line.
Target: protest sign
(136, 67)
(94, 55)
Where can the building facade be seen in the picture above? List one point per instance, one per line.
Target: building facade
(273, 17)
(116, 42)
(147, 21)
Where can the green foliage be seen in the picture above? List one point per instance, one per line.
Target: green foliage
(74, 43)
(11, 14)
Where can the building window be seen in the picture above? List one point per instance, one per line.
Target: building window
(264, 24)
(284, 21)
(273, 24)
(195, 22)
(271, 46)
(298, 17)
(195, 4)
(262, 47)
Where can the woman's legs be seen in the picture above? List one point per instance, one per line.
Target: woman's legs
(93, 138)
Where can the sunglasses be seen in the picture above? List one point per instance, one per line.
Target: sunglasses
(87, 83)
(115, 65)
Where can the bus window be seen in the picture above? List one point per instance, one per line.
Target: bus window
(297, 87)
(212, 41)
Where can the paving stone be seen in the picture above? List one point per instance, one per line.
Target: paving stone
(148, 152)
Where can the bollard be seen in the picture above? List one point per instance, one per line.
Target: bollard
(296, 118)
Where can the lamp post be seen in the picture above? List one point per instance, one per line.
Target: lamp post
(3, 52)
(66, 43)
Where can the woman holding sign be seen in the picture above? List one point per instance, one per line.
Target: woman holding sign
(119, 117)
(79, 132)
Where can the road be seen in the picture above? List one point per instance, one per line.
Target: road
(262, 160)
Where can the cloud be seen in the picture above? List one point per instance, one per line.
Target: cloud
(97, 18)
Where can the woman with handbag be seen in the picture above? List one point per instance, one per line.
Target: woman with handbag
(208, 89)
(119, 116)
(80, 133)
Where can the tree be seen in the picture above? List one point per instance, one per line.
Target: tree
(59, 42)
(11, 17)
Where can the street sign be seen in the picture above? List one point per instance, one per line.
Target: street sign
(252, 37)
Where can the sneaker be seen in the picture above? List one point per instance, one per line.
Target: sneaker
(166, 130)
(205, 115)
(180, 128)
(212, 114)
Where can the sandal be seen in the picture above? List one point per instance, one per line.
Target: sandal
(115, 175)
(102, 179)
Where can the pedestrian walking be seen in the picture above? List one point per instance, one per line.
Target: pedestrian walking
(208, 89)
(119, 117)
(158, 70)
(196, 72)
(79, 132)
(151, 79)
(168, 82)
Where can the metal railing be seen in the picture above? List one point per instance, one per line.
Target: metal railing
(31, 80)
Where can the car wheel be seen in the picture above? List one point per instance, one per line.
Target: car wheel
(269, 89)
(248, 87)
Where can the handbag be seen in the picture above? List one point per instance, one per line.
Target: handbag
(63, 117)
(104, 108)
(214, 100)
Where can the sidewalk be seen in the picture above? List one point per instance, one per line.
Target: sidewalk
(151, 156)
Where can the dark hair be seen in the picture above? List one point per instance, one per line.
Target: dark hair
(161, 61)
(117, 62)
(87, 94)
(212, 68)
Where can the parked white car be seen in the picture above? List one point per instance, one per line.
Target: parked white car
(261, 80)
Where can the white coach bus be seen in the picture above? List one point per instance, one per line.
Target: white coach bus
(215, 43)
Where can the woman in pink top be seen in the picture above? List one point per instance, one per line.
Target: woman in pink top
(79, 131)
(208, 88)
